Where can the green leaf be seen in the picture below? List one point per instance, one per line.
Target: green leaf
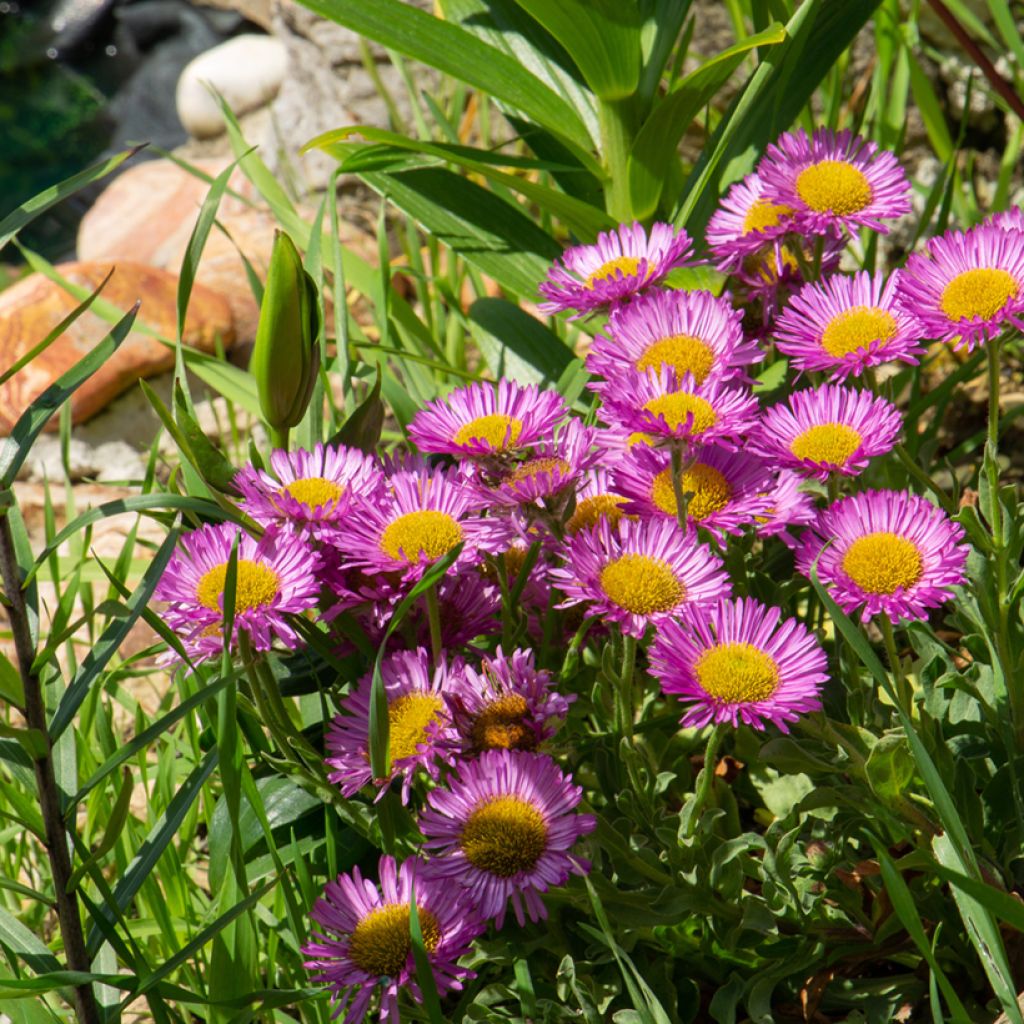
(32, 208)
(362, 429)
(424, 972)
(11, 687)
(890, 766)
(454, 51)
(207, 458)
(656, 143)
(25, 945)
(487, 232)
(14, 449)
(517, 345)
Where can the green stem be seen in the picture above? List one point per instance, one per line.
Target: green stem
(677, 486)
(704, 781)
(434, 619)
(904, 691)
(616, 142)
(279, 438)
(627, 709)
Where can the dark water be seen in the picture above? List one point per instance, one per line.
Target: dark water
(81, 79)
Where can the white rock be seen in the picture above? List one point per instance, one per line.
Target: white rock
(246, 70)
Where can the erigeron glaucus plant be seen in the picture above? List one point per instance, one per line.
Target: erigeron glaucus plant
(557, 592)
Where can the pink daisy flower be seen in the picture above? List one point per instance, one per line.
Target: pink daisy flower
(507, 705)
(967, 287)
(596, 500)
(620, 264)
(661, 405)
(361, 942)
(1008, 220)
(745, 223)
(788, 506)
(423, 515)
(727, 490)
(842, 325)
(887, 552)
(312, 491)
(481, 419)
(503, 829)
(831, 429)
(738, 661)
(834, 182)
(275, 579)
(420, 732)
(687, 332)
(640, 573)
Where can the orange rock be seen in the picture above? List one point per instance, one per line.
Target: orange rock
(30, 309)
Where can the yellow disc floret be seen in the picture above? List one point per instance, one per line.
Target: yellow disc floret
(764, 214)
(622, 265)
(590, 511)
(857, 328)
(418, 536)
(882, 563)
(828, 444)
(498, 430)
(978, 293)
(679, 406)
(501, 725)
(534, 467)
(834, 186)
(380, 944)
(410, 718)
(737, 673)
(314, 492)
(642, 584)
(708, 489)
(684, 353)
(504, 836)
(256, 586)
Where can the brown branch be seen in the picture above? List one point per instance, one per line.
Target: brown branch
(988, 69)
(86, 1007)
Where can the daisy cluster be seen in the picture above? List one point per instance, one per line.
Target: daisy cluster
(628, 525)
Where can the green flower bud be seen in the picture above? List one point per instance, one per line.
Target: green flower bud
(286, 357)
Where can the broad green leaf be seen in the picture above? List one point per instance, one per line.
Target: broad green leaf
(485, 231)
(207, 458)
(454, 51)
(517, 345)
(424, 972)
(655, 145)
(362, 429)
(25, 945)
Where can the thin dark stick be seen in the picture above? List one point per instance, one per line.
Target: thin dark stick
(86, 1008)
(988, 69)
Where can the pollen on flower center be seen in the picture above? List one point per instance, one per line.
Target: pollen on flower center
(642, 584)
(504, 836)
(590, 511)
(415, 536)
(678, 407)
(857, 328)
(255, 586)
(409, 720)
(500, 725)
(764, 214)
(828, 444)
(380, 943)
(314, 491)
(534, 467)
(708, 489)
(497, 429)
(978, 293)
(834, 186)
(684, 353)
(737, 673)
(882, 563)
(621, 266)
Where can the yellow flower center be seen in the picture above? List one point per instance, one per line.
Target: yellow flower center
(314, 491)
(409, 719)
(499, 431)
(590, 511)
(980, 292)
(624, 265)
(416, 536)
(764, 214)
(683, 352)
(380, 943)
(642, 584)
(255, 586)
(827, 444)
(534, 467)
(500, 725)
(882, 563)
(834, 186)
(504, 836)
(857, 328)
(708, 489)
(737, 673)
(677, 406)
